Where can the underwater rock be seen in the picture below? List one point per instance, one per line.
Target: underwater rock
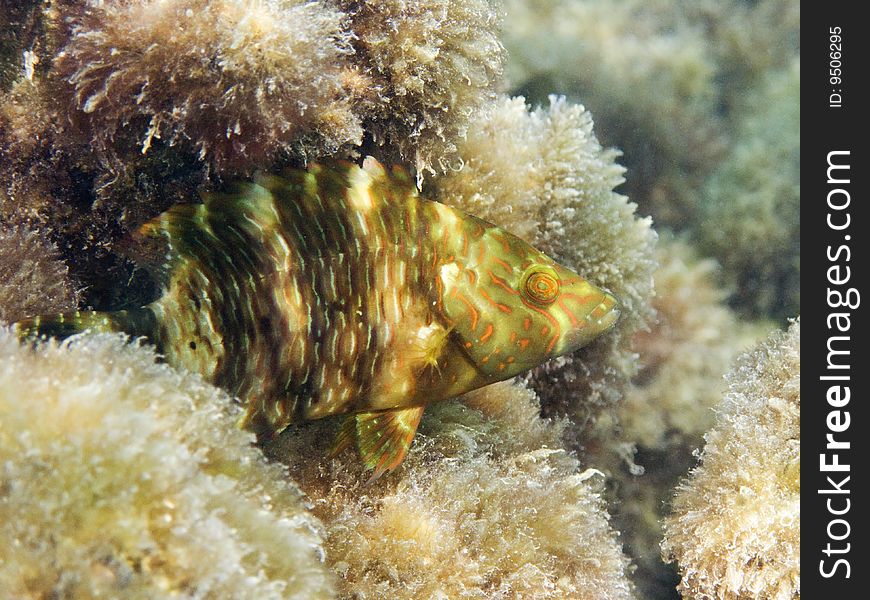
(488, 504)
(123, 478)
(33, 279)
(735, 527)
(543, 175)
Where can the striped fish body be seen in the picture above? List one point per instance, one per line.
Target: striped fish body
(339, 290)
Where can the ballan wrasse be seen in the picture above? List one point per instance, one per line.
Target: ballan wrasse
(338, 290)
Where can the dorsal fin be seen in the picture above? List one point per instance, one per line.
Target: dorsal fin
(314, 205)
(224, 223)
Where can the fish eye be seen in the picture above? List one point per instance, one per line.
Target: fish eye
(541, 286)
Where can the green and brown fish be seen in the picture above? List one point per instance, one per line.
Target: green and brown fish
(340, 291)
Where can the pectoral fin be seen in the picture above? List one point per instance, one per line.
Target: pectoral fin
(382, 438)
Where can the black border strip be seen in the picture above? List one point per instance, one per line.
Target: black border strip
(833, 326)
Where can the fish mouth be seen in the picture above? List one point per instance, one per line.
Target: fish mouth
(598, 321)
(609, 313)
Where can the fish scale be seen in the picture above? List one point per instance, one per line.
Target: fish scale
(335, 303)
(338, 290)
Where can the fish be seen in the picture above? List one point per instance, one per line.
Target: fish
(339, 290)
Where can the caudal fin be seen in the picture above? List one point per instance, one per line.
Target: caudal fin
(138, 322)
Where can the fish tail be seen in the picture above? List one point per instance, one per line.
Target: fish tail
(136, 322)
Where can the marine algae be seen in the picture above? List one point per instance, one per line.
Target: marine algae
(123, 478)
(735, 524)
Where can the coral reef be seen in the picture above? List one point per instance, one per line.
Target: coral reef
(487, 505)
(604, 53)
(544, 176)
(735, 528)
(749, 40)
(750, 206)
(123, 478)
(33, 281)
(162, 494)
(246, 83)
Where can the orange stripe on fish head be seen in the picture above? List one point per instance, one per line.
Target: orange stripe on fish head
(505, 298)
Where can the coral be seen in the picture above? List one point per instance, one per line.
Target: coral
(51, 180)
(120, 477)
(241, 80)
(750, 206)
(424, 68)
(748, 40)
(52, 195)
(33, 281)
(544, 176)
(735, 528)
(487, 505)
(246, 83)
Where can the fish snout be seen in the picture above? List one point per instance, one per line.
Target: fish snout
(595, 312)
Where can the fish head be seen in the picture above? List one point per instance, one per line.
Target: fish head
(511, 307)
